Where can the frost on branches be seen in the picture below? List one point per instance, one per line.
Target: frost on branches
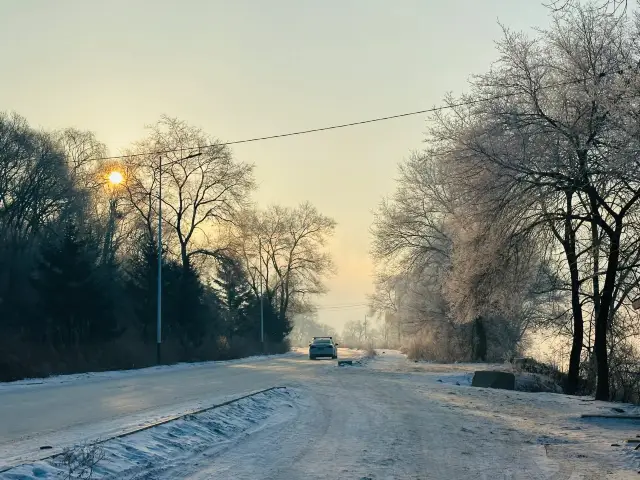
(522, 211)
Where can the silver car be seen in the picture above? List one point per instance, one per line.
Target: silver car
(323, 347)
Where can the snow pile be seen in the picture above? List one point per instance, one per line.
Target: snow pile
(159, 448)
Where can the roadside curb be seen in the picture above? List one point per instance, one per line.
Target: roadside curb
(138, 429)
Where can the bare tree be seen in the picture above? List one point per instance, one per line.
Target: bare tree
(97, 200)
(556, 120)
(284, 251)
(34, 183)
(203, 186)
(605, 7)
(307, 326)
(84, 154)
(449, 249)
(410, 228)
(353, 333)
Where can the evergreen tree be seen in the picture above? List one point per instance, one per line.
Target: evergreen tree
(142, 286)
(235, 295)
(75, 305)
(182, 308)
(276, 327)
(191, 318)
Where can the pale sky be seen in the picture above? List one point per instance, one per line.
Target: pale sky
(246, 68)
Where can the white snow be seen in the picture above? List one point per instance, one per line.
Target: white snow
(72, 409)
(388, 419)
(163, 447)
(457, 379)
(122, 374)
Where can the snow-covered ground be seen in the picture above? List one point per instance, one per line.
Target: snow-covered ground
(387, 419)
(122, 374)
(70, 409)
(162, 449)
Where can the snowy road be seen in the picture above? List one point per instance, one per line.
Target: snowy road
(85, 407)
(390, 419)
(393, 420)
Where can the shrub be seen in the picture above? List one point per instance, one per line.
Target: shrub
(370, 351)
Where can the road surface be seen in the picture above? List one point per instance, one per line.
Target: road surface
(390, 419)
(59, 414)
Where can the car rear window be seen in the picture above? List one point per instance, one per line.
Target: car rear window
(322, 340)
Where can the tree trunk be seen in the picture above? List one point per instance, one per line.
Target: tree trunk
(184, 257)
(107, 248)
(569, 244)
(578, 325)
(478, 340)
(595, 241)
(602, 320)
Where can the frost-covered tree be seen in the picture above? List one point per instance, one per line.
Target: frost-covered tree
(554, 120)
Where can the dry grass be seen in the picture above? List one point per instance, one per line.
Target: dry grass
(435, 348)
(370, 351)
(80, 461)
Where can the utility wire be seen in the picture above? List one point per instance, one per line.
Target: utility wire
(343, 307)
(342, 125)
(347, 304)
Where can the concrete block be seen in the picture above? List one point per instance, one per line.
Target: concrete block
(494, 379)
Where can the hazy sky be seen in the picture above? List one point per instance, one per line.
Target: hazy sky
(246, 68)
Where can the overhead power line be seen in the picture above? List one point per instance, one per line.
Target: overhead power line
(343, 125)
(291, 134)
(342, 307)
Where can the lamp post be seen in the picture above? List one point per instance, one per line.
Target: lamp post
(159, 294)
(258, 272)
(261, 297)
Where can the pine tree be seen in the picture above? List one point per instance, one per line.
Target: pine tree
(276, 326)
(235, 295)
(192, 317)
(75, 305)
(142, 286)
(181, 294)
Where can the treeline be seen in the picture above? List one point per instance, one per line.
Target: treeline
(307, 326)
(79, 252)
(522, 213)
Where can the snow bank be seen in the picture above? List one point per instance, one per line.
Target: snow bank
(91, 376)
(549, 424)
(156, 449)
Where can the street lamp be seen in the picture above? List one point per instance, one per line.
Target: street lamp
(261, 297)
(258, 272)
